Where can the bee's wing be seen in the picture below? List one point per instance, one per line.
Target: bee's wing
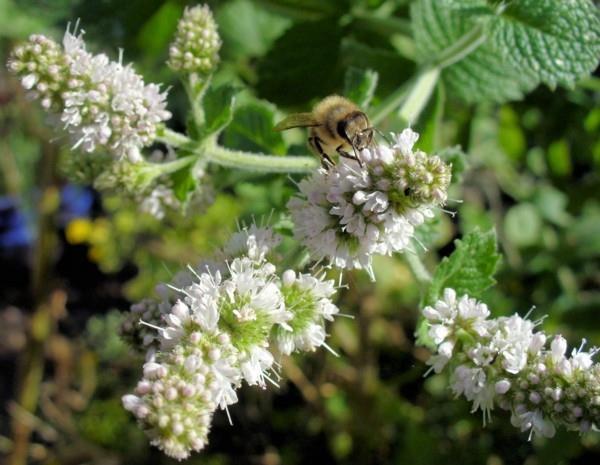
(296, 120)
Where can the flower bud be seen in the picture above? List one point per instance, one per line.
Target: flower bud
(195, 48)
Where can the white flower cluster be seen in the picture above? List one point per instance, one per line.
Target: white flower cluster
(195, 48)
(504, 362)
(217, 327)
(103, 104)
(348, 213)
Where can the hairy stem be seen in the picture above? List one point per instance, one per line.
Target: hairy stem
(414, 95)
(255, 162)
(223, 156)
(419, 95)
(417, 268)
(467, 44)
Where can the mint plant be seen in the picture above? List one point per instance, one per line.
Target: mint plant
(231, 319)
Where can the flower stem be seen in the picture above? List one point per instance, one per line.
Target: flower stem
(172, 138)
(414, 95)
(418, 269)
(467, 44)
(419, 95)
(223, 156)
(255, 162)
(176, 165)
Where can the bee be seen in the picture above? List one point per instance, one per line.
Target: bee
(336, 125)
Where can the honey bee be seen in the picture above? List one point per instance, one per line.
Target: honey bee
(336, 125)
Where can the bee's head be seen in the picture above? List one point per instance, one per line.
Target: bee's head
(358, 130)
(363, 139)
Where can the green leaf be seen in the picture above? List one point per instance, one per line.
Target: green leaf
(158, 31)
(359, 85)
(184, 183)
(302, 64)
(389, 65)
(307, 9)
(557, 41)
(218, 109)
(252, 129)
(469, 269)
(248, 31)
(528, 42)
(457, 158)
(552, 205)
(523, 225)
(432, 120)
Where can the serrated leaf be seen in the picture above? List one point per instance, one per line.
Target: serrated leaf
(528, 42)
(360, 85)
(218, 109)
(252, 129)
(469, 269)
(558, 41)
(302, 64)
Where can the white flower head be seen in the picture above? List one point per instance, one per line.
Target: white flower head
(308, 299)
(253, 241)
(103, 104)
(502, 361)
(349, 213)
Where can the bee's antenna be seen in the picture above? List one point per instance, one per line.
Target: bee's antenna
(382, 134)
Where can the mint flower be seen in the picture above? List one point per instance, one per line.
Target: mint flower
(349, 213)
(308, 298)
(195, 48)
(215, 326)
(104, 105)
(504, 362)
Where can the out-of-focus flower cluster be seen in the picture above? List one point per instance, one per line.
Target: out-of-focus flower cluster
(215, 326)
(504, 362)
(349, 213)
(103, 104)
(195, 47)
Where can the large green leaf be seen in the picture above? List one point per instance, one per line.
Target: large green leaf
(527, 42)
(252, 129)
(359, 85)
(246, 30)
(302, 64)
(469, 269)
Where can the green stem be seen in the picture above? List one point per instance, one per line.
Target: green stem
(176, 165)
(390, 103)
(467, 44)
(383, 25)
(196, 86)
(419, 95)
(173, 138)
(414, 95)
(223, 156)
(265, 163)
(417, 268)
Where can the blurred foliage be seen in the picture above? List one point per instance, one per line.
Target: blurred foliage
(531, 168)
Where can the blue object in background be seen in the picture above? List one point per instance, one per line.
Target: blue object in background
(14, 231)
(15, 222)
(75, 202)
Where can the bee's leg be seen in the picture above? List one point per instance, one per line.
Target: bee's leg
(343, 153)
(326, 160)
